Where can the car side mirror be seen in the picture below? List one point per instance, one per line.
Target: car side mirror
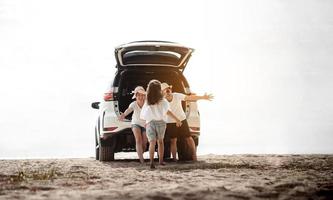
(95, 105)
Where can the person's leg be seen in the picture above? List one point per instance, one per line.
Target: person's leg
(160, 151)
(160, 129)
(138, 142)
(190, 142)
(152, 144)
(144, 141)
(172, 132)
(152, 136)
(173, 148)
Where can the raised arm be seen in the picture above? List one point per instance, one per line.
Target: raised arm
(206, 96)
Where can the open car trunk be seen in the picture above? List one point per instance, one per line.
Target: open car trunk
(131, 78)
(152, 53)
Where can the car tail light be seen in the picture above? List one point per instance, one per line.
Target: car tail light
(195, 128)
(110, 128)
(108, 96)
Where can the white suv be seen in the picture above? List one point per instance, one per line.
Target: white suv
(137, 64)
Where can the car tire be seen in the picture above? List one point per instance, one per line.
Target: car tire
(106, 153)
(97, 153)
(183, 149)
(196, 140)
(96, 146)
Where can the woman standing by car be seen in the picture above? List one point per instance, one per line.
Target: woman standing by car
(138, 125)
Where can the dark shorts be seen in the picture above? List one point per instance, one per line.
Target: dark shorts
(172, 131)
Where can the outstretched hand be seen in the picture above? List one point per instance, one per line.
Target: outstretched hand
(208, 97)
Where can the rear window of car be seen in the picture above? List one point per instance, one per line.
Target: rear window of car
(151, 57)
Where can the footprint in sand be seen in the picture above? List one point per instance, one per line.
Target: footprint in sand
(77, 171)
(287, 186)
(256, 188)
(41, 188)
(267, 195)
(159, 197)
(238, 196)
(127, 184)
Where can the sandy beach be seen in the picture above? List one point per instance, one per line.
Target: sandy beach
(212, 177)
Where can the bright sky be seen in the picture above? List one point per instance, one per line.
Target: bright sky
(268, 64)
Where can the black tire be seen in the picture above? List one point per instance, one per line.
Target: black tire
(106, 153)
(97, 153)
(184, 151)
(96, 146)
(196, 140)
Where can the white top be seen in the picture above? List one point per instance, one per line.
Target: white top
(176, 107)
(156, 112)
(136, 114)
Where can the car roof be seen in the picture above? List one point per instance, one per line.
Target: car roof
(150, 43)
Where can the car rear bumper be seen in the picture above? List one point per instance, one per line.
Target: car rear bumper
(107, 137)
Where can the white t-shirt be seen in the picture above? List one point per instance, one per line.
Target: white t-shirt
(156, 112)
(176, 107)
(136, 114)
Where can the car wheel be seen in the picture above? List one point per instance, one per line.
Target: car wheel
(196, 140)
(96, 146)
(106, 153)
(184, 151)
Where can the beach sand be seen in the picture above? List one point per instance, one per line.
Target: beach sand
(212, 177)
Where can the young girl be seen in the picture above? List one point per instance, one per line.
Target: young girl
(155, 111)
(137, 124)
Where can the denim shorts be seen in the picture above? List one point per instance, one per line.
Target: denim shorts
(155, 130)
(142, 129)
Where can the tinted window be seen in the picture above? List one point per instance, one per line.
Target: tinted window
(151, 57)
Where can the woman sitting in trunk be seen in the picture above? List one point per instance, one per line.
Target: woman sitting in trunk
(138, 125)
